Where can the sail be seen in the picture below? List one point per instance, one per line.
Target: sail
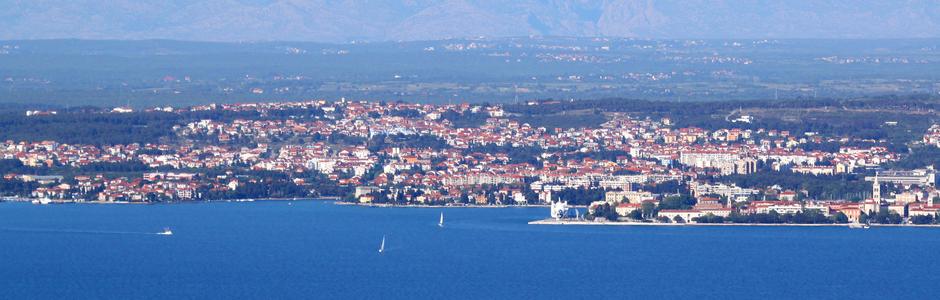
(382, 246)
(441, 222)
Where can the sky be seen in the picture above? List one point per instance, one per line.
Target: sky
(394, 20)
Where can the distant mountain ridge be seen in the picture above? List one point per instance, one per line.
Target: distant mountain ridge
(370, 20)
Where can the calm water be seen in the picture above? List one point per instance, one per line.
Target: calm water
(321, 250)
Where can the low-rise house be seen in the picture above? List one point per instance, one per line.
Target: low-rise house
(625, 209)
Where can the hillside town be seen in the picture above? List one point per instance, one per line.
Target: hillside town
(629, 167)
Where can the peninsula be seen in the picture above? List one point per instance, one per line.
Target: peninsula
(866, 160)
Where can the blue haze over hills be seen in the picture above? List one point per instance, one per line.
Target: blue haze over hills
(341, 21)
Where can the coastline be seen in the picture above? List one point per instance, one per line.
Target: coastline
(435, 206)
(69, 201)
(609, 223)
(334, 199)
(549, 221)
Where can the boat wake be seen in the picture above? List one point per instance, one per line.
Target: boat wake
(77, 231)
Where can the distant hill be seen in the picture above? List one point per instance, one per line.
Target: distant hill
(379, 20)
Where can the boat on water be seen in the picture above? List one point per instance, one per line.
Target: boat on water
(382, 246)
(859, 226)
(42, 201)
(166, 231)
(441, 222)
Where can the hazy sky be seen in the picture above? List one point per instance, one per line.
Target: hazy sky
(339, 21)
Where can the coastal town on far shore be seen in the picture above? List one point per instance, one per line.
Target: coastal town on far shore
(622, 166)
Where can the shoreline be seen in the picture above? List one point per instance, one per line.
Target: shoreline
(548, 221)
(435, 206)
(69, 201)
(609, 223)
(335, 200)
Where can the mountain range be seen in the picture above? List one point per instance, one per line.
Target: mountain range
(373, 20)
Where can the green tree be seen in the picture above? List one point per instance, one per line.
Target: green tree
(636, 214)
(682, 201)
(928, 219)
(839, 218)
(648, 208)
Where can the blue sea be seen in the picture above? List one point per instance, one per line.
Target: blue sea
(318, 250)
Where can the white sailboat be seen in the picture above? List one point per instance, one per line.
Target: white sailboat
(382, 246)
(441, 222)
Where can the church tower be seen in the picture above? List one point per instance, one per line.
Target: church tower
(876, 190)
